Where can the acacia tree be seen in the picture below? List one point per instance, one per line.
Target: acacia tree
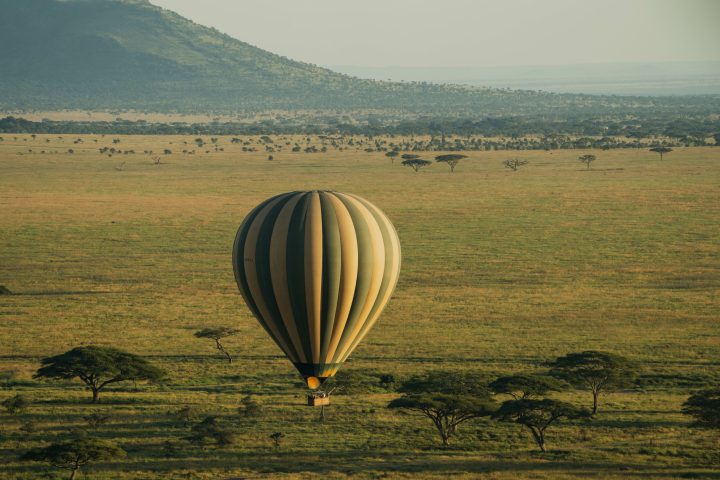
(661, 150)
(538, 414)
(598, 371)
(416, 163)
(217, 334)
(98, 367)
(527, 386)
(704, 406)
(391, 155)
(446, 411)
(74, 454)
(451, 159)
(587, 159)
(448, 399)
(514, 163)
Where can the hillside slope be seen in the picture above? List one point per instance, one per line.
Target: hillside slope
(117, 52)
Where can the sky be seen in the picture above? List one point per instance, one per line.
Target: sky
(460, 33)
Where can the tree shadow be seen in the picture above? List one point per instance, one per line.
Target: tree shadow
(269, 460)
(62, 292)
(350, 463)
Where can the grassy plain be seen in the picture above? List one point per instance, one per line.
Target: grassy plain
(501, 271)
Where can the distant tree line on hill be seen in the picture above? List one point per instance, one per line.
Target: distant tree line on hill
(692, 131)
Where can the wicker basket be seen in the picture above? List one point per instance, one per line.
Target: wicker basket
(317, 401)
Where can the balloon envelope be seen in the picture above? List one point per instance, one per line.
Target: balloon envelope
(316, 269)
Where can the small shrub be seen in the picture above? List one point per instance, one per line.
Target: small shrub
(212, 428)
(29, 427)
(250, 407)
(96, 419)
(277, 438)
(16, 404)
(187, 414)
(8, 377)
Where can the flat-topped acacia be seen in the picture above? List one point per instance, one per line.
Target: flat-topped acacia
(98, 367)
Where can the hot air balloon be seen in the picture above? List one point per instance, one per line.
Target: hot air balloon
(316, 268)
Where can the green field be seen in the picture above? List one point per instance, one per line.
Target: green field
(502, 271)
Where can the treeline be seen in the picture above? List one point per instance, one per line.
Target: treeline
(690, 131)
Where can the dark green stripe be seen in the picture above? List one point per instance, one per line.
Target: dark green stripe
(262, 267)
(296, 271)
(238, 259)
(239, 263)
(331, 272)
(365, 263)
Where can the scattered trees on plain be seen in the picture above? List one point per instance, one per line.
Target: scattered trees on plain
(98, 367)
(450, 398)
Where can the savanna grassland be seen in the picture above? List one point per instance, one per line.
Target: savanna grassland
(502, 271)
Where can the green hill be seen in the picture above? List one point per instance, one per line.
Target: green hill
(130, 54)
(94, 53)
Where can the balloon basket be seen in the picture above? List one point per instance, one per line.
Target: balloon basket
(318, 399)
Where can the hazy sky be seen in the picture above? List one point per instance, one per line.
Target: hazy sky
(467, 32)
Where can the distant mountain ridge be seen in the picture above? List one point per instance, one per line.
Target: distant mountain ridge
(639, 78)
(130, 54)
